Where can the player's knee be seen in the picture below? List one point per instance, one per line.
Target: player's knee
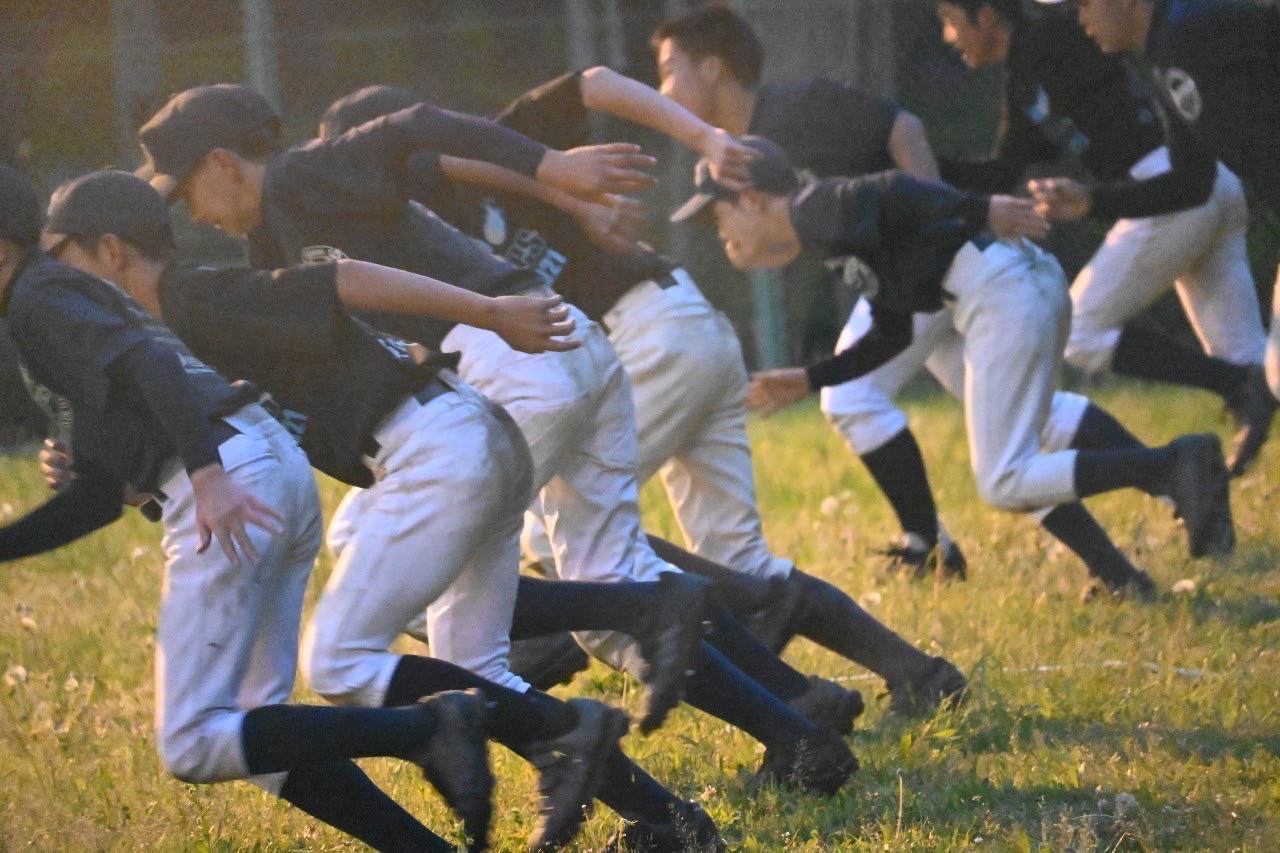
(189, 759)
(1000, 489)
(327, 671)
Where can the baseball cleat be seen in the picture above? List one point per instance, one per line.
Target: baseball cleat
(690, 830)
(547, 661)
(1119, 579)
(1252, 407)
(455, 760)
(828, 705)
(819, 763)
(671, 644)
(1198, 484)
(569, 770)
(911, 554)
(940, 683)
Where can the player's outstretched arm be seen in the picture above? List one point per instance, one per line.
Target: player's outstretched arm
(1010, 218)
(606, 90)
(771, 391)
(594, 171)
(81, 506)
(527, 323)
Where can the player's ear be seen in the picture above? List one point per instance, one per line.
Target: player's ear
(710, 69)
(111, 251)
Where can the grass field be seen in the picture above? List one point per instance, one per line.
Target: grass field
(1107, 726)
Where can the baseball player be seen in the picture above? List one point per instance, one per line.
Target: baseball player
(709, 61)
(669, 332)
(863, 409)
(1215, 67)
(146, 418)
(926, 244)
(1066, 99)
(558, 402)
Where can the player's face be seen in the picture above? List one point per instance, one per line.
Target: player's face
(684, 80)
(979, 40)
(753, 235)
(1110, 24)
(220, 192)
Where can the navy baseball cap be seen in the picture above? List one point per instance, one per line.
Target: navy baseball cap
(117, 203)
(199, 120)
(363, 105)
(20, 208)
(771, 172)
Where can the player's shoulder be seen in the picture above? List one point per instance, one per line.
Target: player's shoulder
(46, 282)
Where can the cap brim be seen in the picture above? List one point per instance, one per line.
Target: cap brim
(691, 208)
(166, 185)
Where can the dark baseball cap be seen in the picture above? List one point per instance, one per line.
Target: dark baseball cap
(20, 208)
(196, 122)
(771, 172)
(117, 203)
(364, 105)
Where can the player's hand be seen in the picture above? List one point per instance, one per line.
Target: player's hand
(1010, 218)
(55, 464)
(223, 510)
(612, 224)
(534, 323)
(1061, 198)
(771, 391)
(728, 159)
(593, 171)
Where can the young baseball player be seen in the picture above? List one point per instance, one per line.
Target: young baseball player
(929, 244)
(710, 61)
(1216, 69)
(863, 409)
(663, 330)
(1066, 99)
(148, 419)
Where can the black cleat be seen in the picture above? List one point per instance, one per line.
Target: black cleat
(569, 771)
(940, 683)
(669, 646)
(1198, 485)
(911, 555)
(1252, 406)
(819, 763)
(547, 661)
(690, 830)
(455, 760)
(1119, 579)
(829, 706)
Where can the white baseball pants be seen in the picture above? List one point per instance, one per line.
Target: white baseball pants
(437, 532)
(227, 637)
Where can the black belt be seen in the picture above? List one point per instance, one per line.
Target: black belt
(983, 241)
(433, 388)
(666, 280)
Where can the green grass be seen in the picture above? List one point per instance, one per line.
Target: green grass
(1090, 727)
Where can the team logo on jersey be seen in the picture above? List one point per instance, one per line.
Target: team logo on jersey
(495, 223)
(321, 254)
(1183, 94)
(855, 274)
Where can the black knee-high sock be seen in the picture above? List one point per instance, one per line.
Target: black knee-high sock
(732, 639)
(1073, 526)
(739, 592)
(1098, 471)
(339, 794)
(633, 793)
(832, 619)
(1098, 430)
(898, 469)
(551, 607)
(722, 690)
(282, 737)
(514, 718)
(1146, 353)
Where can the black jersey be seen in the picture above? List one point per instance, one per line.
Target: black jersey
(70, 330)
(531, 234)
(826, 127)
(906, 230)
(288, 332)
(350, 197)
(1064, 98)
(1216, 67)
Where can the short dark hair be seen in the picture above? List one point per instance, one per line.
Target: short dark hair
(1010, 10)
(716, 31)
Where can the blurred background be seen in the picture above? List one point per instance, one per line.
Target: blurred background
(77, 77)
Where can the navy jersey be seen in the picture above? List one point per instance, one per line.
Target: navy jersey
(1064, 98)
(906, 230)
(70, 330)
(1216, 67)
(350, 197)
(288, 332)
(536, 236)
(826, 127)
